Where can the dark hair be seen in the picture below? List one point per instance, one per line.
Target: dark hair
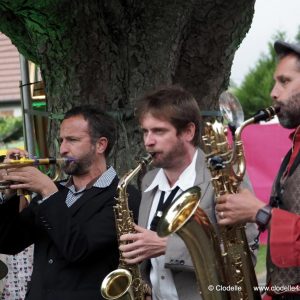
(173, 104)
(100, 124)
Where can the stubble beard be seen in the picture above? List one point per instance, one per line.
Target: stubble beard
(80, 166)
(289, 116)
(168, 160)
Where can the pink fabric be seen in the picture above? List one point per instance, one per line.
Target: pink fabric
(265, 147)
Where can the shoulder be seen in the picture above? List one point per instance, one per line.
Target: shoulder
(201, 158)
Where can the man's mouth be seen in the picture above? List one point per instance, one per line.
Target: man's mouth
(153, 154)
(69, 160)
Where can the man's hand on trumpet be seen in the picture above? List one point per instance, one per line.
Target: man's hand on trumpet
(15, 153)
(26, 178)
(31, 179)
(4, 184)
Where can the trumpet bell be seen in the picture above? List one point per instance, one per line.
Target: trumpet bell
(179, 211)
(117, 285)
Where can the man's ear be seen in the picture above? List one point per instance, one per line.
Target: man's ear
(101, 145)
(189, 131)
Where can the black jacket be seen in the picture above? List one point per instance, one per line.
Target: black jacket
(74, 248)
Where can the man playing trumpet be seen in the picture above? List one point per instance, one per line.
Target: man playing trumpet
(70, 223)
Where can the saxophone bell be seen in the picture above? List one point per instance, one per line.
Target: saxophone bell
(179, 211)
(190, 222)
(125, 282)
(117, 285)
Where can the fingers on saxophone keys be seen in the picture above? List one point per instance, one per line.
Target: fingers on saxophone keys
(132, 257)
(129, 237)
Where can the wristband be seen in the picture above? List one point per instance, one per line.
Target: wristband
(263, 217)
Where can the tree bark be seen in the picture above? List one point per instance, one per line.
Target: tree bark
(109, 52)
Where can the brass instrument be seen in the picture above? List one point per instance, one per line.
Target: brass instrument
(227, 167)
(225, 260)
(190, 222)
(23, 162)
(126, 282)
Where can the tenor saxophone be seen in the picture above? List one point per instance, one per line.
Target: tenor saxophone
(125, 282)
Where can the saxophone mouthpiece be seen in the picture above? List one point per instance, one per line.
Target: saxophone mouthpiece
(147, 159)
(266, 114)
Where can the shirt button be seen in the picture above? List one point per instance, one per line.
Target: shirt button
(162, 277)
(50, 261)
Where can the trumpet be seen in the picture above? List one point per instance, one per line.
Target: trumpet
(24, 162)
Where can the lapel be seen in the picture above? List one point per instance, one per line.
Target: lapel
(203, 177)
(147, 198)
(92, 196)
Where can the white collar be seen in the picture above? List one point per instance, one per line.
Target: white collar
(185, 180)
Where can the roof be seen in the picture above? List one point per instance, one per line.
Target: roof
(10, 74)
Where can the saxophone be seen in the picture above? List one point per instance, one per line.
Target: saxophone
(185, 218)
(223, 258)
(227, 167)
(125, 282)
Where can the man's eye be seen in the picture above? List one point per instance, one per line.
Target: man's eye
(160, 131)
(284, 81)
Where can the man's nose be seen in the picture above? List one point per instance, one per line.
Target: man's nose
(149, 140)
(63, 149)
(275, 92)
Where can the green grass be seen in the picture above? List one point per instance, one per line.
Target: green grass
(261, 259)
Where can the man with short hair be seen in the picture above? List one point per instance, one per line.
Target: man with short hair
(282, 214)
(70, 223)
(170, 120)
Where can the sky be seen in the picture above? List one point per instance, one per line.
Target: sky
(270, 17)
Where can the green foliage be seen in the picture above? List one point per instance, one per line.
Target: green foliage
(260, 267)
(254, 92)
(10, 128)
(297, 38)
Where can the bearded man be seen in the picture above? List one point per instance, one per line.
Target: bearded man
(71, 223)
(282, 215)
(170, 121)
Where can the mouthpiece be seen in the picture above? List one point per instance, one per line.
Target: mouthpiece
(266, 114)
(62, 160)
(147, 159)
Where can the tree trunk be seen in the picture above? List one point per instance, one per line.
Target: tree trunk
(109, 52)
